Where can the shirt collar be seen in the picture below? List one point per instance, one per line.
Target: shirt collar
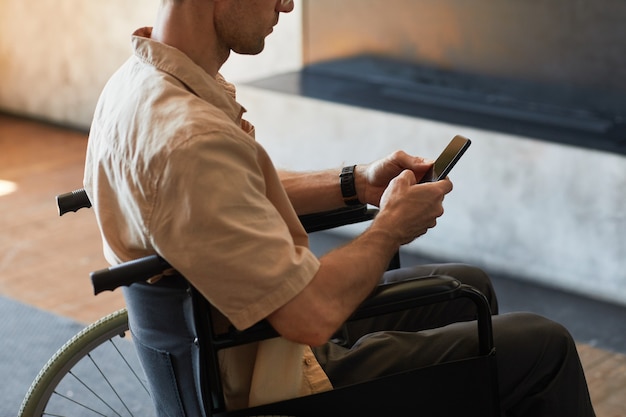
(175, 63)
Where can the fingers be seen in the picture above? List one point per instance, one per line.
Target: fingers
(445, 184)
(406, 161)
(409, 209)
(417, 164)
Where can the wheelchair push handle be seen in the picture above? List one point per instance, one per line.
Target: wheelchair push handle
(125, 274)
(72, 201)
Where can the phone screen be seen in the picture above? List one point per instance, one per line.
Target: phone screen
(444, 163)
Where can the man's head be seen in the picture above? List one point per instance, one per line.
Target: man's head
(208, 30)
(243, 25)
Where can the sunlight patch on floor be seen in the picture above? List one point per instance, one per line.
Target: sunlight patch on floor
(7, 187)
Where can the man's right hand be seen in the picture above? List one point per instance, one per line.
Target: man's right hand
(408, 209)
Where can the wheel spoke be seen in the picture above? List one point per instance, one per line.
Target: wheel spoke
(77, 403)
(94, 373)
(139, 380)
(108, 381)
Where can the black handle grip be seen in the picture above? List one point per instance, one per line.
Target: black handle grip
(128, 273)
(72, 201)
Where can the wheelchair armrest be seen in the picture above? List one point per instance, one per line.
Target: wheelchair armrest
(335, 218)
(429, 290)
(389, 298)
(403, 295)
(384, 299)
(75, 200)
(147, 267)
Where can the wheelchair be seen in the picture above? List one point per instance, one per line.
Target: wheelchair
(471, 388)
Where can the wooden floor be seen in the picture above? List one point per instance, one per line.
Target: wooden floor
(45, 260)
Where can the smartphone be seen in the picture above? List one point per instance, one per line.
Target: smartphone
(450, 156)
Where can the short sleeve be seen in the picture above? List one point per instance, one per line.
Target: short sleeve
(223, 220)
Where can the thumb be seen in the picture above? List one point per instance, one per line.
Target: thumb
(398, 186)
(407, 176)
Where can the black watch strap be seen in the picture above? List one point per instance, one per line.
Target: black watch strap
(348, 188)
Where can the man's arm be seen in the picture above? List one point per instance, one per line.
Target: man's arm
(314, 192)
(348, 274)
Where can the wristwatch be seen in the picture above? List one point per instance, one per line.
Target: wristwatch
(348, 189)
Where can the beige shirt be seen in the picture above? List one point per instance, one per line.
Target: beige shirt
(172, 168)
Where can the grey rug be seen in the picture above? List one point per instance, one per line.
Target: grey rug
(28, 338)
(107, 383)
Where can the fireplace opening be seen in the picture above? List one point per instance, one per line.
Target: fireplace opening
(548, 70)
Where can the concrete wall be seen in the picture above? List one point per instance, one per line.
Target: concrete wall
(56, 55)
(537, 210)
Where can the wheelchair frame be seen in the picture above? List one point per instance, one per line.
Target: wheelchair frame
(479, 398)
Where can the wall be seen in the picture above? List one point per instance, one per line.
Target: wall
(56, 55)
(532, 209)
(577, 43)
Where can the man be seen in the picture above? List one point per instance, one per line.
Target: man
(172, 168)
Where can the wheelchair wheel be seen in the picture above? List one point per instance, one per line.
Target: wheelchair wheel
(95, 373)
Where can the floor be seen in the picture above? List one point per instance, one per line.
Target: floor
(45, 260)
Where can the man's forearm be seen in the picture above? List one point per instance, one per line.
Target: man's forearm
(313, 192)
(347, 275)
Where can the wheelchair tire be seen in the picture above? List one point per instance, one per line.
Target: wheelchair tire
(95, 373)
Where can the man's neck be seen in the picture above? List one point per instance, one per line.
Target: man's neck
(188, 27)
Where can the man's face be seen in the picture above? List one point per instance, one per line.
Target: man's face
(243, 25)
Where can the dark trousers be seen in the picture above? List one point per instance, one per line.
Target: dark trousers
(539, 370)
